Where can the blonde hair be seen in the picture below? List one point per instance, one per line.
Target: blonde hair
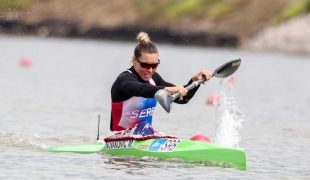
(145, 45)
(143, 37)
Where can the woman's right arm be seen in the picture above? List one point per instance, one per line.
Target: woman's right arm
(172, 89)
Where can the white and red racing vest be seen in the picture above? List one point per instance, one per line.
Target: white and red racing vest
(132, 111)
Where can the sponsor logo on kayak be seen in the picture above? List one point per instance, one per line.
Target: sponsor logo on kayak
(143, 146)
(236, 63)
(119, 144)
(170, 145)
(166, 145)
(156, 145)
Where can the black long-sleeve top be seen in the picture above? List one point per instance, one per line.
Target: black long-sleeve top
(129, 84)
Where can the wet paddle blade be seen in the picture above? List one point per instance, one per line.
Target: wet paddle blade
(227, 69)
(164, 99)
(82, 149)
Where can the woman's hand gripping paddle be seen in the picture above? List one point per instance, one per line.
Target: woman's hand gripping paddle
(164, 98)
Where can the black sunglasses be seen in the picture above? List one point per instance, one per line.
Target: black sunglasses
(147, 66)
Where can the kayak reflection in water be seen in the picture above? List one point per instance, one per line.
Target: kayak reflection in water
(133, 91)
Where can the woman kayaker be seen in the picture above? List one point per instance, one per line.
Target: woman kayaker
(134, 89)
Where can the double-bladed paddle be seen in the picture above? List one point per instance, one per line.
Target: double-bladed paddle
(164, 98)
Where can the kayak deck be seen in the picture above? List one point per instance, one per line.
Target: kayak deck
(176, 148)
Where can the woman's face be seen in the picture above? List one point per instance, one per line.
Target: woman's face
(146, 65)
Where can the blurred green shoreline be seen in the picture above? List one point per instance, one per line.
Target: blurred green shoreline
(224, 23)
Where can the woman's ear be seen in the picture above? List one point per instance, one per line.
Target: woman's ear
(133, 61)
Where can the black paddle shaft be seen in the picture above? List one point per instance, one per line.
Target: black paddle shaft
(224, 71)
(189, 87)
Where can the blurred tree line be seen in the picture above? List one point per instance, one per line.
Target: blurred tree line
(173, 10)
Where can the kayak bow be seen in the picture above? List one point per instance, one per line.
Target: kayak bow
(82, 149)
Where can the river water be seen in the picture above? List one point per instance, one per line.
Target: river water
(56, 101)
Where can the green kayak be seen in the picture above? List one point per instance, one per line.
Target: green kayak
(165, 148)
(168, 148)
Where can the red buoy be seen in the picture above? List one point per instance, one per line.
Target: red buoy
(232, 80)
(25, 62)
(213, 97)
(201, 138)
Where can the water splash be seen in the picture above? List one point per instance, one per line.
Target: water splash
(228, 119)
